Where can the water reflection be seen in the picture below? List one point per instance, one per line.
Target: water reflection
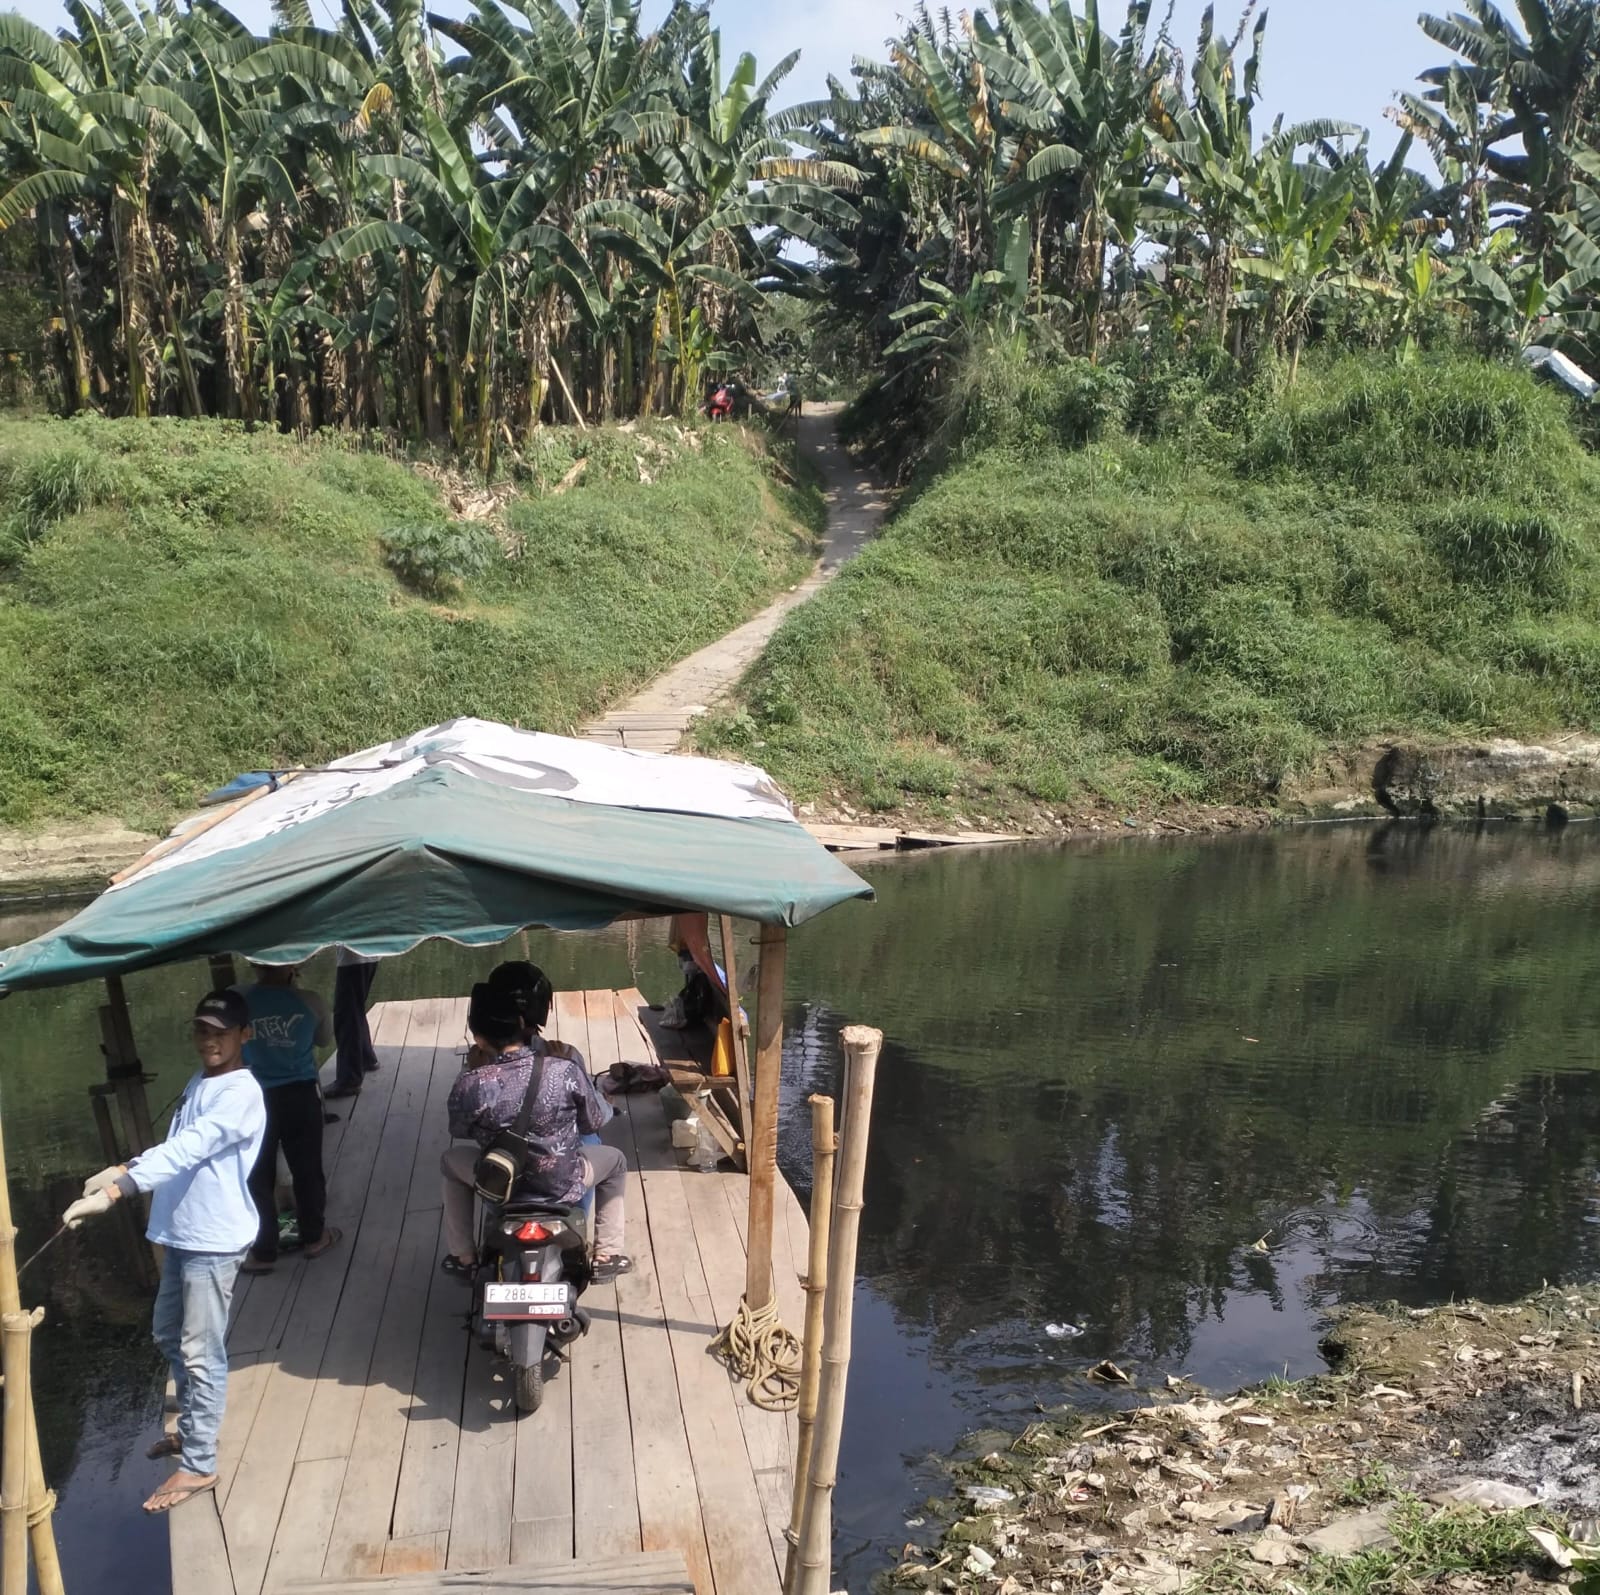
(1107, 1075)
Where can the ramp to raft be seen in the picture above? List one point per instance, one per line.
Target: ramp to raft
(367, 1434)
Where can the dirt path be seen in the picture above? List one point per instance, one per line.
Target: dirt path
(655, 719)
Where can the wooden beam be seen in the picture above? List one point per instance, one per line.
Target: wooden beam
(123, 1068)
(763, 1139)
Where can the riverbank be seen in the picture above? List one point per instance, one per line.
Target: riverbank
(181, 600)
(1103, 606)
(1449, 1447)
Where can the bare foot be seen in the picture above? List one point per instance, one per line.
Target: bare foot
(180, 1488)
(330, 1237)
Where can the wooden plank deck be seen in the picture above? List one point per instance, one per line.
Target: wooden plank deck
(368, 1437)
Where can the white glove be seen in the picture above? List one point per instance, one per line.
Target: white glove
(87, 1207)
(98, 1182)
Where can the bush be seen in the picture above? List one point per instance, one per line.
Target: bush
(436, 559)
(1197, 611)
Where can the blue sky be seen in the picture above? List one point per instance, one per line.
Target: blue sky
(1342, 58)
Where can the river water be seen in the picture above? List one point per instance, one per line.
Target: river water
(1108, 1073)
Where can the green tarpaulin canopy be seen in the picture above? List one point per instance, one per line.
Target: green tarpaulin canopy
(470, 831)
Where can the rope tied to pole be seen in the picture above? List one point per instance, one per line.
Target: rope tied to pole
(760, 1350)
(40, 1511)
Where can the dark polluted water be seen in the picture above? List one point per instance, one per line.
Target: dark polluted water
(1107, 1074)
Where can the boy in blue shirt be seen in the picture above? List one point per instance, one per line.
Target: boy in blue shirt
(202, 1213)
(287, 1026)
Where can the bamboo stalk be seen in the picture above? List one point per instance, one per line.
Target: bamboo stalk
(814, 1562)
(171, 844)
(823, 1145)
(38, 1502)
(15, 1330)
(741, 1053)
(762, 1136)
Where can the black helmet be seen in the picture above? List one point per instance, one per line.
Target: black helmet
(528, 987)
(494, 1015)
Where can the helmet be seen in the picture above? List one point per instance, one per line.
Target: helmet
(528, 987)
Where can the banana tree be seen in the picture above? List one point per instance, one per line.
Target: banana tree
(1298, 225)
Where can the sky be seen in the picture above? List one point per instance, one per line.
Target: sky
(1324, 58)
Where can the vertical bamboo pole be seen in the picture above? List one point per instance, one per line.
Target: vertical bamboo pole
(762, 1138)
(741, 1053)
(38, 1502)
(861, 1046)
(15, 1328)
(822, 1150)
(123, 1068)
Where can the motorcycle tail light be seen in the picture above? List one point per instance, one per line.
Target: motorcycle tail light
(533, 1230)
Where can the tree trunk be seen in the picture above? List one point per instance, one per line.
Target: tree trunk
(55, 237)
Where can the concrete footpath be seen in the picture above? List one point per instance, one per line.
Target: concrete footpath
(655, 718)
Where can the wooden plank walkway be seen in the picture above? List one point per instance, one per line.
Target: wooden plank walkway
(367, 1436)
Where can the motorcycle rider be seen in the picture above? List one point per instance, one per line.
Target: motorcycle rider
(487, 1098)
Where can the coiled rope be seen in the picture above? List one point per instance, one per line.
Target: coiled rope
(758, 1349)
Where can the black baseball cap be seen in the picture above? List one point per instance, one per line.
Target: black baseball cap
(222, 1010)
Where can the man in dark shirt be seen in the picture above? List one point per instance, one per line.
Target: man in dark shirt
(486, 1100)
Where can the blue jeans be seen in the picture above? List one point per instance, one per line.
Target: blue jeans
(190, 1326)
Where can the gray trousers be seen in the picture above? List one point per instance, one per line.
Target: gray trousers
(605, 1172)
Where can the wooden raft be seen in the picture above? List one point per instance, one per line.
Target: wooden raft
(367, 1434)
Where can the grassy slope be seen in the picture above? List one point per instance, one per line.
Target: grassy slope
(179, 601)
(1198, 616)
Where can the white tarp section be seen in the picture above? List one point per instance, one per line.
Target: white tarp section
(1563, 370)
(528, 761)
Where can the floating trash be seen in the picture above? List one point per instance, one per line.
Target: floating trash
(1062, 1331)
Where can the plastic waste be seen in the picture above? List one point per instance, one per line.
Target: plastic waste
(706, 1150)
(1062, 1331)
(988, 1494)
(686, 1131)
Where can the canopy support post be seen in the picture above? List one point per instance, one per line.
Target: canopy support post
(123, 1069)
(762, 1135)
(23, 1479)
(222, 972)
(738, 1029)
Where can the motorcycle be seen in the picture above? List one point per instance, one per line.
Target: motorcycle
(534, 1266)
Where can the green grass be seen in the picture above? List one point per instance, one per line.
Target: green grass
(180, 601)
(1430, 1547)
(1193, 591)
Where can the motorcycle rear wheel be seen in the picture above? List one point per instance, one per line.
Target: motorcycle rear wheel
(530, 1387)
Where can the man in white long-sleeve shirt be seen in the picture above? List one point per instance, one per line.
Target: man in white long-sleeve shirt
(202, 1213)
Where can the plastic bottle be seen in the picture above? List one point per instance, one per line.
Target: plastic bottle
(706, 1149)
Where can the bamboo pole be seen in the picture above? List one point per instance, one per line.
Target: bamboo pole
(762, 1134)
(15, 1331)
(823, 1145)
(38, 1502)
(741, 1052)
(814, 1561)
(123, 1068)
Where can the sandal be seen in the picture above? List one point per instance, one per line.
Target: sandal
(257, 1265)
(610, 1267)
(456, 1269)
(173, 1493)
(330, 1237)
(169, 1445)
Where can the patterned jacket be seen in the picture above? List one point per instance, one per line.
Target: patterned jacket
(486, 1100)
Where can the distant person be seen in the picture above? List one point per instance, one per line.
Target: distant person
(487, 1098)
(288, 1025)
(721, 407)
(791, 386)
(203, 1215)
(352, 993)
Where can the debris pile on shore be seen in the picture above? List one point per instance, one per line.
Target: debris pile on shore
(1442, 1437)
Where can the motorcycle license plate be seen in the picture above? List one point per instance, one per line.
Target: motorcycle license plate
(518, 1300)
